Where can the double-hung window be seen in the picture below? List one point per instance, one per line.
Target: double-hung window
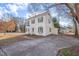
(40, 19)
(40, 30)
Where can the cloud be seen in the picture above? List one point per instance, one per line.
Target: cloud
(15, 7)
(6, 11)
(27, 16)
(1, 13)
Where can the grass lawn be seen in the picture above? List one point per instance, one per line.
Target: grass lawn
(72, 51)
(10, 39)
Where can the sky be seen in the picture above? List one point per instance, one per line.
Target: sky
(21, 10)
(15, 9)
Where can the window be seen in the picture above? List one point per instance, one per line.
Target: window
(32, 29)
(33, 21)
(40, 19)
(40, 29)
(49, 29)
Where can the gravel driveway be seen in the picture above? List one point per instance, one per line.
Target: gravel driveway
(47, 46)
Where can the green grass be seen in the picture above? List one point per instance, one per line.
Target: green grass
(72, 51)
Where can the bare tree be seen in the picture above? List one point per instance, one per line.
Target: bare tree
(73, 9)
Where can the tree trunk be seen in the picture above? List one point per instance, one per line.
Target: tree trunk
(76, 19)
(76, 30)
(74, 14)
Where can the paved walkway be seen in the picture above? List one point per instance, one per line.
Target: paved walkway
(47, 46)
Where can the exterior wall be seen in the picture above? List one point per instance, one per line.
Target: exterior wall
(35, 26)
(50, 25)
(45, 24)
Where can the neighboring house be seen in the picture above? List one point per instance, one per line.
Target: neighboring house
(41, 24)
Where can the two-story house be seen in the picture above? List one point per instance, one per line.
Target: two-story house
(41, 24)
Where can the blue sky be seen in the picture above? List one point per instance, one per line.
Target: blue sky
(21, 10)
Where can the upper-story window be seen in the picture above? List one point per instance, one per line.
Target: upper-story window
(33, 21)
(40, 19)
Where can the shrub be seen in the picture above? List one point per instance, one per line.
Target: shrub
(56, 23)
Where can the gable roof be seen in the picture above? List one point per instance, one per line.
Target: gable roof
(38, 14)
